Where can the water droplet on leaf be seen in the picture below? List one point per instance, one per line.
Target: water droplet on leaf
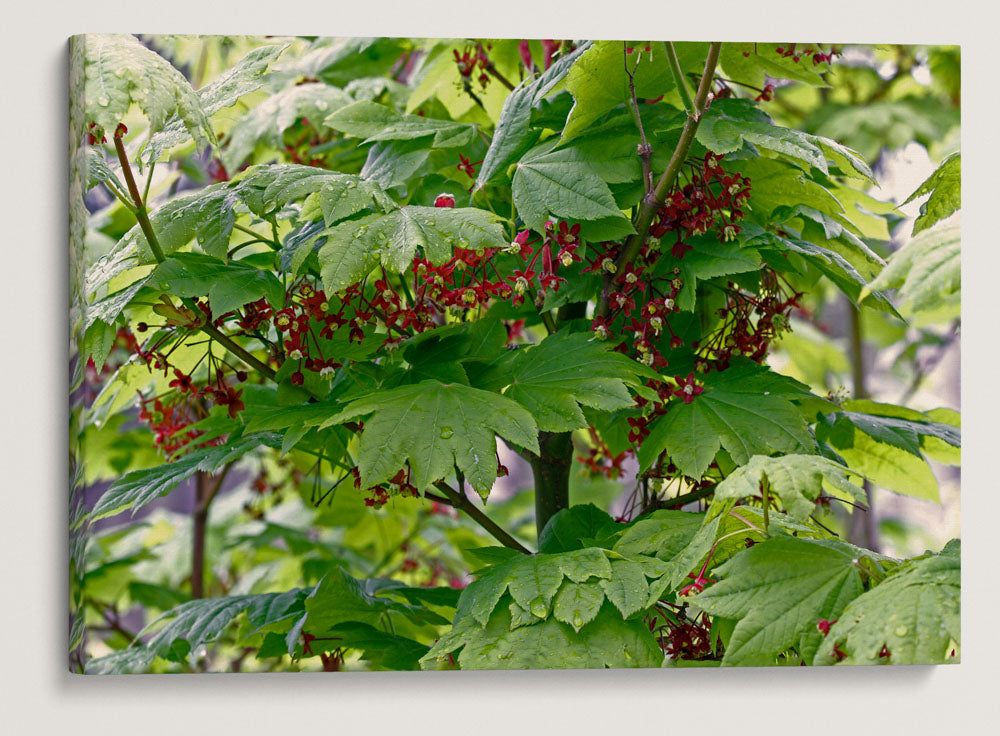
(446, 432)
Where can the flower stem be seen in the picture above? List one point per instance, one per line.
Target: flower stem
(654, 200)
(154, 245)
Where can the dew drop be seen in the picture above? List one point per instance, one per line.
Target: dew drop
(321, 104)
(538, 607)
(446, 432)
(901, 631)
(103, 101)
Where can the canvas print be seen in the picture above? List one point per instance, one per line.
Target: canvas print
(406, 353)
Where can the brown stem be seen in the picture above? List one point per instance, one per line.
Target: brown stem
(863, 529)
(685, 498)
(457, 500)
(199, 517)
(154, 245)
(654, 200)
(140, 209)
(489, 67)
(644, 150)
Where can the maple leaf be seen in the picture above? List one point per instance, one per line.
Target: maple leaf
(912, 617)
(778, 590)
(746, 410)
(434, 427)
(797, 479)
(564, 371)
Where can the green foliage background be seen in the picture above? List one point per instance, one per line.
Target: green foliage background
(307, 576)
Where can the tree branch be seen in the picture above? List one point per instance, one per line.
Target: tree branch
(457, 500)
(154, 245)
(644, 150)
(654, 200)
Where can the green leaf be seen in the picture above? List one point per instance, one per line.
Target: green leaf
(376, 122)
(598, 81)
(340, 598)
(227, 285)
(567, 527)
(945, 188)
(512, 136)
(343, 60)
(728, 123)
(708, 258)
(778, 590)
(392, 163)
(140, 487)
(264, 124)
(627, 588)
(564, 371)
(121, 71)
(577, 604)
(745, 410)
(561, 183)
(208, 215)
(199, 622)
(434, 427)
(480, 598)
(98, 171)
(97, 342)
(336, 195)
(606, 641)
(354, 248)
(915, 613)
(533, 582)
(245, 77)
(885, 444)
(937, 449)
(773, 179)
(798, 480)
(663, 534)
(896, 425)
(378, 648)
(752, 63)
(927, 270)
(828, 262)
(885, 465)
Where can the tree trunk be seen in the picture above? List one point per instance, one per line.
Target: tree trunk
(551, 471)
(863, 527)
(203, 491)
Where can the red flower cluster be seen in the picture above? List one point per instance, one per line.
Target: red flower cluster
(600, 461)
(685, 638)
(818, 56)
(470, 60)
(701, 205)
(378, 496)
(170, 422)
(750, 323)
